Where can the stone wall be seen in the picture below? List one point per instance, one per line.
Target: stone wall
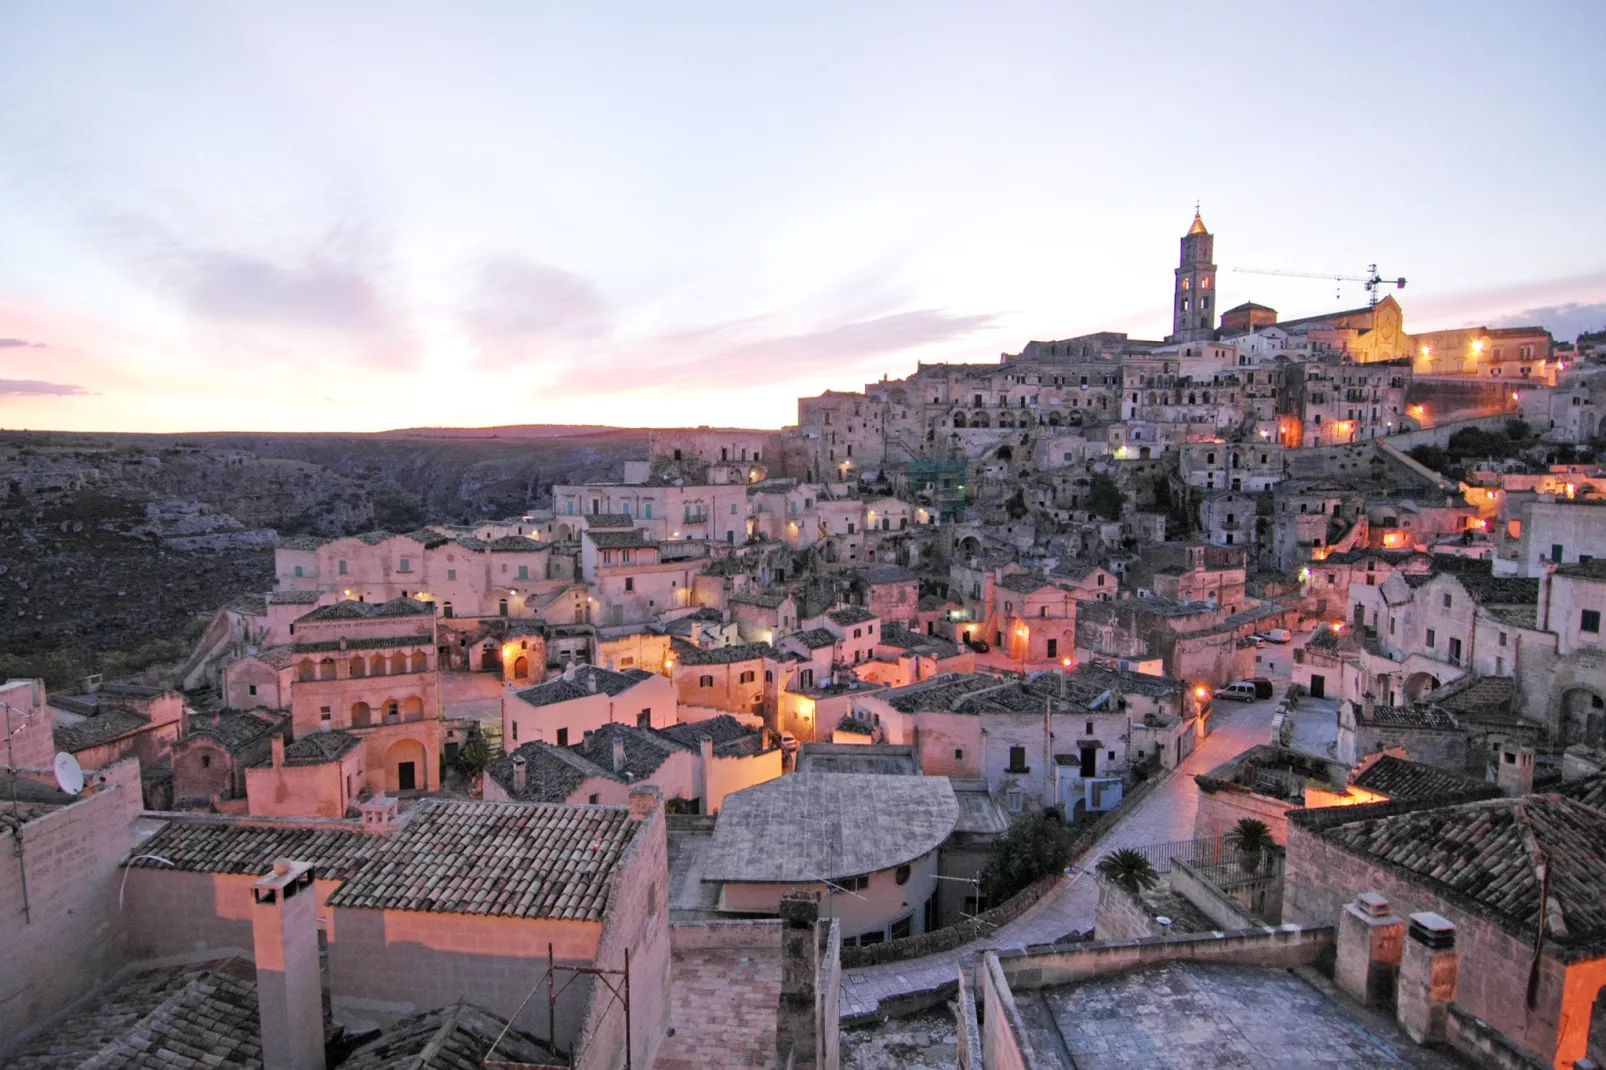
(1120, 915)
(1320, 878)
(1485, 1046)
(67, 940)
(968, 1040)
(1214, 903)
(758, 934)
(1284, 946)
(1221, 809)
(952, 936)
(1004, 1041)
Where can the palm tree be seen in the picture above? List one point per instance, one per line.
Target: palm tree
(1252, 840)
(1130, 869)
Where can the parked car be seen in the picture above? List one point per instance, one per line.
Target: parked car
(1280, 635)
(788, 743)
(1242, 691)
(1263, 687)
(978, 645)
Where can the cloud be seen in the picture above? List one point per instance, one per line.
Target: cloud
(1566, 321)
(317, 293)
(15, 343)
(38, 387)
(521, 310)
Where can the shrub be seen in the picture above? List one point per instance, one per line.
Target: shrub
(1129, 869)
(1034, 847)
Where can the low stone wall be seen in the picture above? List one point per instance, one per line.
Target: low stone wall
(968, 1025)
(1215, 904)
(1120, 915)
(1282, 946)
(1485, 1046)
(952, 936)
(761, 933)
(1005, 1044)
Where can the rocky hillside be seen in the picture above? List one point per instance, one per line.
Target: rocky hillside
(111, 544)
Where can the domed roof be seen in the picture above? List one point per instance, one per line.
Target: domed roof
(1198, 225)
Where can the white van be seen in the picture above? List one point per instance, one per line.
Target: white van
(1242, 691)
(1280, 635)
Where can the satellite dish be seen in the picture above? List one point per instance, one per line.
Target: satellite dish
(69, 774)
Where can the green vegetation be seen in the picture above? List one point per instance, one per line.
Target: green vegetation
(473, 757)
(1472, 444)
(1105, 499)
(1253, 841)
(1034, 847)
(1129, 869)
(64, 670)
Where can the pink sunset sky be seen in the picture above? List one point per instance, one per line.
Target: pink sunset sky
(364, 216)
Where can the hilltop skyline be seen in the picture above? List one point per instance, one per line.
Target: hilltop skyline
(222, 220)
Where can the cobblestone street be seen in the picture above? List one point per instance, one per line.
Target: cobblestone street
(1165, 815)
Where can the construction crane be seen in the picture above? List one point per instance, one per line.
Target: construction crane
(1372, 280)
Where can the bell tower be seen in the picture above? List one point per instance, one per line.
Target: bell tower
(1193, 305)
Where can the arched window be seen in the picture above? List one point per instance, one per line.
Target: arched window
(413, 708)
(376, 665)
(501, 608)
(326, 669)
(959, 419)
(1005, 420)
(305, 671)
(747, 677)
(446, 610)
(769, 676)
(357, 667)
(398, 664)
(419, 662)
(361, 715)
(521, 668)
(705, 681)
(392, 711)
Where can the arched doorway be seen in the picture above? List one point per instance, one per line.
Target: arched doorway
(959, 419)
(404, 766)
(490, 659)
(1419, 685)
(1583, 716)
(361, 715)
(1005, 453)
(521, 668)
(969, 546)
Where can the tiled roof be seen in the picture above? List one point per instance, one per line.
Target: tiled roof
(564, 689)
(1399, 778)
(1585, 570)
(939, 694)
(301, 542)
(766, 599)
(919, 642)
(1419, 716)
(1098, 679)
(276, 656)
(551, 773)
(351, 609)
(318, 748)
(721, 729)
(429, 538)
(726, 655)
(618, 540)
(1591, 791)
(374, 538)
(853, 726)
(293, 598)
(235, 730)
(249, 605)
(360, 642)
(1500, 590)
(202, 1018)
(1023, 582)
(610, 520)
(514, 544)
(1487, 854)
(645, 750)
(848, 616)
(816, 638)
(458, 1037)
(101, 728)
(1475, 694)
(509, 859)
(813, 826)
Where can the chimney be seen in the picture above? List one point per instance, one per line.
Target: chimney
(618, 754)
(644, 799)
(1515, 773)
(284, 930)
(705, 752)
(591, 682)
(518, 774)
(797, 1021)
(1427, 978)
(278, 750)
(378, 814)
(1370, 941)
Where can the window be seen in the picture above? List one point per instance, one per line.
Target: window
(646, 510)
(630, 583)
(705, 681)
(206, 763)
(1446, 601)
(1014, 802)
(1499, 666)
(1555, 552)
(563, 737)
(515, 731)
(451, 573)
(342, 568)
(854, 884)
(1017, 760)
(1502, 638)
(298, 570)
(251, 689)
(406, 565)
(747, 677)
(1455, 651)
(644, 718)
(901, 874)
(1432, 638)
(446, 610)
(959, 754)
(593, 798)
(524, 572)
(323, 713)
(1589, 621)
